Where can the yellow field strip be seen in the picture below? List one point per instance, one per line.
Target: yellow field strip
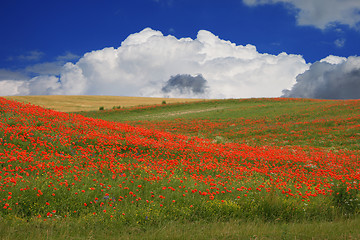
(88, 103)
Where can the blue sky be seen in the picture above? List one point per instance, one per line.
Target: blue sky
(40, 37)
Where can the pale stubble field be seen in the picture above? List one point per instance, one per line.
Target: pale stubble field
(71, 103)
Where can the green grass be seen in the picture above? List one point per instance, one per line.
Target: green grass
(222, 109)
(337, 230)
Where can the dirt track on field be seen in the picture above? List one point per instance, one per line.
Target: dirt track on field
(162, 115)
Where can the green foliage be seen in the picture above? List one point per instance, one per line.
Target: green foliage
(346, 199)
(15, 228)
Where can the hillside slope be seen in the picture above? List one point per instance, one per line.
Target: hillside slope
(62, 167)
(281, 122)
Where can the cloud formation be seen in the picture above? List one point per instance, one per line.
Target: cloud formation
(186, 84)
(68, 56)
(339, 42)
(330, 78)
(146, 61)
(320, 13)
(28, 56)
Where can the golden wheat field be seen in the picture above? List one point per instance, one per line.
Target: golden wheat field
(89, 103)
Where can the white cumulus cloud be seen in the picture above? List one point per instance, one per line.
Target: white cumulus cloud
(10, 87)
(329, 78)
(320, 13)
(146, 61)
(333, 59)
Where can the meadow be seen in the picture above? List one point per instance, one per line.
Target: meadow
(219, 169)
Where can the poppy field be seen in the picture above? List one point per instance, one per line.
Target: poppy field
(239, 159)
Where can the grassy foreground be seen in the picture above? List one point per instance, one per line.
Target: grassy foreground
(230, 169)
(337, 230)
